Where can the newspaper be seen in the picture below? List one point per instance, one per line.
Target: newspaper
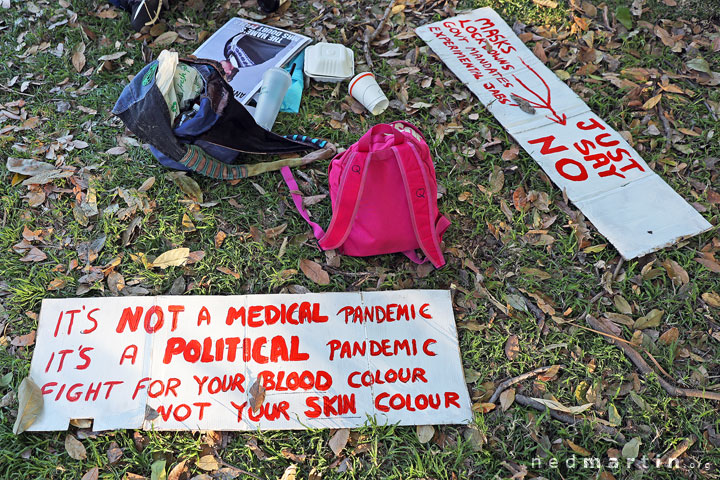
(247, 49)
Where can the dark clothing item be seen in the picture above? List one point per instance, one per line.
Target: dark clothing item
(124, 4)
(244, 50)
(220, 129)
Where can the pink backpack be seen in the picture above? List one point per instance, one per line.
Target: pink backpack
(384, 197)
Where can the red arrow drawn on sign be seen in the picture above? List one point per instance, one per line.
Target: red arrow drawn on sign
(542, 103)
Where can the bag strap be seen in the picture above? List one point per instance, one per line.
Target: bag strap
(298, 201)
(199, 161)
(423, 210)
(350, 190)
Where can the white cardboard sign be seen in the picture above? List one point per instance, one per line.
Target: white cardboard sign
(327, 360)
(603, 175)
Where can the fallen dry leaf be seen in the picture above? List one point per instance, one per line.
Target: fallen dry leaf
(178, 471)
(24, 340)
(75, 448)
(507, 398)
(677, 274)
(553, 405)
(187, 185)
(91, 474)
(172, 258)
(290, 473)
(30, 404)
(425, 433)
(219, 238)
(34, 255)
(338, 441)
(712, 299)
(208, 463)
(78, 57)
(56, 284)
(314, 272)
(512, 347)
(256, 395)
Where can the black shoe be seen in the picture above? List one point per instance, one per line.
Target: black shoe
(145, 12)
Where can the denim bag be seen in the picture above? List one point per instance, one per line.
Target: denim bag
(210, 139)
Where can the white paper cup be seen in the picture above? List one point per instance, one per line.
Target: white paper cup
(365, 89)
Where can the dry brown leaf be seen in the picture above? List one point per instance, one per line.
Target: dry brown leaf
(187, 185)
(677, 274)
(172, 258)
(34, 255)
(114, 453)
(671, 335)
(78, 57)
(483, 407)
(549, 374)
(290, 473)
(712, 299)
(115, 282)
(520, 199)
(553, 405)
(256, 395)
(507, 398)
(227, 271)
(24, 340)
(165, 39)
(220, 238)
(293, 457)
(75, 448)
(512, 347)
(425, 433)
(650, 320)
(577, 449)
(622, 305)
(339, 440)
(56, 284)
(709, 264)
(650, 104)
(30, 405)
(91, 474)
(314, 272)
(178, 471)
(497, 179)
(208, 463)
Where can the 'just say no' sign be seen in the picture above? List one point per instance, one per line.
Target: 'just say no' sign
(328, 360)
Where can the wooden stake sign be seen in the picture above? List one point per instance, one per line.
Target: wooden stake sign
(328, 360)
(602, 174)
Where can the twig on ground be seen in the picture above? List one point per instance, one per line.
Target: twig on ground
(8, 89)
(712, 112)
(370, 38)
(617, 268)
(646, 369)
(666, 126)
(570, 419)
(515, 380)
(679, 450)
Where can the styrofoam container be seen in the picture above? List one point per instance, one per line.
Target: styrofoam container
(329, 62)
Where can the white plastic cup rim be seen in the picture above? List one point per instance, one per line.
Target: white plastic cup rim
(379, 102)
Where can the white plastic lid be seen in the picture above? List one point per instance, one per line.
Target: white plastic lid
(329, 62)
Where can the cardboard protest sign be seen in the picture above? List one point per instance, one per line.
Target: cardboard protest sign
(603, 175)
(328, 360)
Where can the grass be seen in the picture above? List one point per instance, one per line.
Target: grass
(475, 256)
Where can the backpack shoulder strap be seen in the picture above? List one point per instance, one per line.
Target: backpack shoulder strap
(350, 190)
(423, 209)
